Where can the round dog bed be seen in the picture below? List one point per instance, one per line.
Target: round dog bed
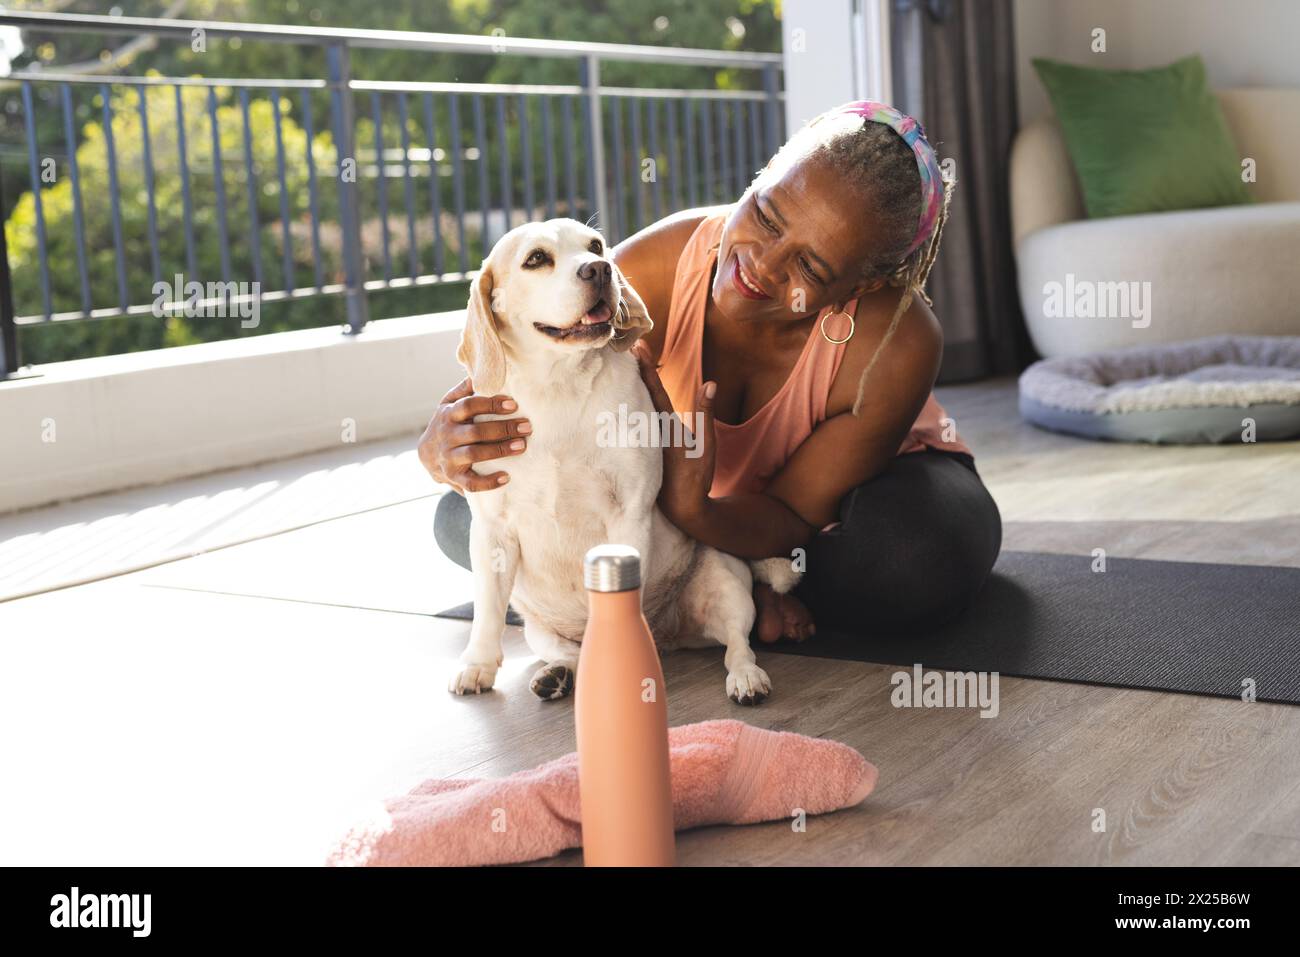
(1203, 390)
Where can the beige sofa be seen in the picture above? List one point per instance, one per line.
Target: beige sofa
(1210, 271)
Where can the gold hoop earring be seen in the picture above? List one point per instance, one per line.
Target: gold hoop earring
(852, 326)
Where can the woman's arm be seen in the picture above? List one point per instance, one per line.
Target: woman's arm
(750, 525)
(843, 452)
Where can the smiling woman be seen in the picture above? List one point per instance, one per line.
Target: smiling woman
(794, 327)
(803, 303)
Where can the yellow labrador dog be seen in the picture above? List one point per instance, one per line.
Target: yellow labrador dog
(550, 322)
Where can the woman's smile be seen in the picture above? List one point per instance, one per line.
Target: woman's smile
(745, 284)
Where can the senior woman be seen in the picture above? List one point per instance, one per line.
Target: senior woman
(797, 325)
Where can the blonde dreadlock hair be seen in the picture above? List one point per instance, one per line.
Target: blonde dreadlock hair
(879, 166)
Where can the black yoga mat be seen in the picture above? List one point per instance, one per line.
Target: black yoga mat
(465, 612)
(1171, 626)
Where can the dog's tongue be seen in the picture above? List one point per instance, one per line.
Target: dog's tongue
(601, 313)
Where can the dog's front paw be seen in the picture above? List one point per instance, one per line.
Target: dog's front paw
(473, 679)
(551, 682)
(748, 685)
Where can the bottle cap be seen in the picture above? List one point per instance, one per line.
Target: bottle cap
(612, 568)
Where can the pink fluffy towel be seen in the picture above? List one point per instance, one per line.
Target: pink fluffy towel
(723, 772)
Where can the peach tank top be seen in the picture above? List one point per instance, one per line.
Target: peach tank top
(751, 453)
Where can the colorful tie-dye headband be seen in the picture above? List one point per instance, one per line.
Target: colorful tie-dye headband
(914, 136)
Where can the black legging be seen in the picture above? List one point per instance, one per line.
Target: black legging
(914, 545)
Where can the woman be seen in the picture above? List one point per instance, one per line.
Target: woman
(794, 325)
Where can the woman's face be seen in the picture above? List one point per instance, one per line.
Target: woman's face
(800, 238)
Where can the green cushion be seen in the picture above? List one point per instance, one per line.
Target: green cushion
(1145, 141)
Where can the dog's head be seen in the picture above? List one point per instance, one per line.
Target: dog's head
(550, 286)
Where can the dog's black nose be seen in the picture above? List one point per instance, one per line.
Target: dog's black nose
(597, 271)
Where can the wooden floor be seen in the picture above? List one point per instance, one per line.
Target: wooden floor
(244, 705)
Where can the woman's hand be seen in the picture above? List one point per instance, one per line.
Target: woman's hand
(687, 478)
(453, 441)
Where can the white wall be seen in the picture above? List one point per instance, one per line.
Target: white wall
(113, 422)
(818, 53)
(1243, 42)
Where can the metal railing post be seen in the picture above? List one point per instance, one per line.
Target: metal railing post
(595, 134)
(8, 333)
(340, 78)
(771, 124)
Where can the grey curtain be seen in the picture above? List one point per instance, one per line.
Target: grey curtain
(954, 70)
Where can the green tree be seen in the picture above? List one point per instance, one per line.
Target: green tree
(92, 159)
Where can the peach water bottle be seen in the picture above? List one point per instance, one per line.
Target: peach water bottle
(621, 710)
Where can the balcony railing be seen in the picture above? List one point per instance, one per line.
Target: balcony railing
(442, 171)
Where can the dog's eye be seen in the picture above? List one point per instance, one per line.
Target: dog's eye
(597, 247)
(538, 257)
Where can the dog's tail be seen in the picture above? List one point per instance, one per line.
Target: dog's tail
(777, 572)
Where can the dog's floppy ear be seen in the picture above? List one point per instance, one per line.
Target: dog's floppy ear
(632, 320)
(480, 351)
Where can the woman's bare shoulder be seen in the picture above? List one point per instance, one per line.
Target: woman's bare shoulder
(908, 364)
(653, 251)
(648, 260)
